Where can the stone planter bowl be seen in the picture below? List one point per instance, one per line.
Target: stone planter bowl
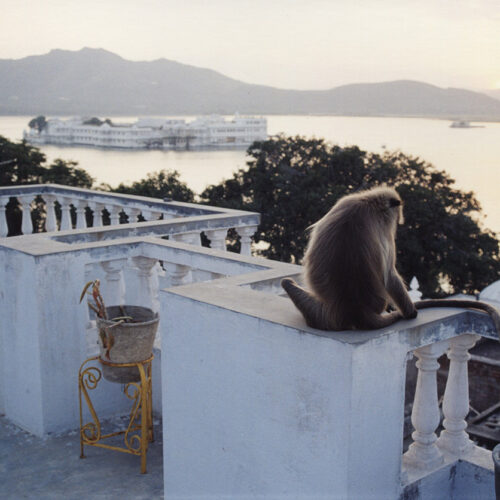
(132, 341)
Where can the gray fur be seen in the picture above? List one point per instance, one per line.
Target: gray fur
(350, 267)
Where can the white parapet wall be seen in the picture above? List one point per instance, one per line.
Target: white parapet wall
(45, 333)
(258, 405)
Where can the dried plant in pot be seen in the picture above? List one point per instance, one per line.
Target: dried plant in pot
(126, 334)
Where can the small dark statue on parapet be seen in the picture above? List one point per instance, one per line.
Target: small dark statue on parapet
(349, 267)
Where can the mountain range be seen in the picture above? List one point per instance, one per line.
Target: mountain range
(98, 82)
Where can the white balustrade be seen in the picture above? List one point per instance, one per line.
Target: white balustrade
(27, 222)
(97, 213)
(146, 214)
(65, 212)
(177, 273)
(454, 438)
(81, 219)
(51, 220)
(147, 283)
(70, 199)
(217, 238)
(131, 213)
(134, 213)
(114, 214)
(246, 234)
(423, 452)
(113, 289)
(4, 229)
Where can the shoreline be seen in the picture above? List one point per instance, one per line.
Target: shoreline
(470, 118)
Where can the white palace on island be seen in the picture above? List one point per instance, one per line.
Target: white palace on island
(210, 132)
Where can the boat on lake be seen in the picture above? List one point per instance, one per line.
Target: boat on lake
(464, 124)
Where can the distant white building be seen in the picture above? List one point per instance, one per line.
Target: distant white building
(156, 133)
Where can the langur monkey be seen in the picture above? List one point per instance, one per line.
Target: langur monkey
(350, 268)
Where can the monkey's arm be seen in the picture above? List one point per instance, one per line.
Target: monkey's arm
(397, 291)
(469, 304)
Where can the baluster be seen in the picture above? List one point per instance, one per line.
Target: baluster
(136, 214)
(50, 220)
(128, 212)
(114, 284)
(217, 239)
(81, 219)
(155, 215)
(423, 452)
(114, 214)
(146, 215)
(27, 222)
(454, 438)
(132, 214)
(178, 273)
(65, 213)
(414, 292)
(4, 229)
(148, 282)
(246, 234)
(96, 213)
(190, 239)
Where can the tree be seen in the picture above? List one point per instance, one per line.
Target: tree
(163, 184)
(38, 123)
(21, 163)
(66, 172)
(294, 181)
(97, 121)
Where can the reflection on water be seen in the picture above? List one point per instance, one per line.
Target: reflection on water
(471, 156)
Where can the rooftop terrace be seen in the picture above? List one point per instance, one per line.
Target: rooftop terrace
(253, 403)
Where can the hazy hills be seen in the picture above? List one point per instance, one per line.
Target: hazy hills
(98, 82)
(493, 93)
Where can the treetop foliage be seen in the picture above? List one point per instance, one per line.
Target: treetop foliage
(21, 163)
(38, 123)
(294, 181)
(97, 121)
(162, 184)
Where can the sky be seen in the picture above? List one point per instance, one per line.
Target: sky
(296, 44)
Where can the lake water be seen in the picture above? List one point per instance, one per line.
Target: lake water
(470, 156)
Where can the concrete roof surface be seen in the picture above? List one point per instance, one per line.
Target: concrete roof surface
(51, 468)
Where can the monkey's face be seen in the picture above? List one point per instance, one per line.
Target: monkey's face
(401, 217)
(396, 207)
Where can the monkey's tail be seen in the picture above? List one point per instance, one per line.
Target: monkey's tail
(469, 304)
(312, 310)
(316, 314)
